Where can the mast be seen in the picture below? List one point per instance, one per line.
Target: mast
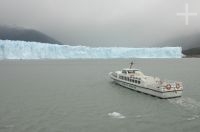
(131, 64)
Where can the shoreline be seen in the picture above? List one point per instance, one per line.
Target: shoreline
(191, 56)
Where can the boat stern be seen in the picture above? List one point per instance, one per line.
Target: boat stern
(172, 90)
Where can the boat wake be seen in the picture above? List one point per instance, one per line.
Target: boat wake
(188, 104)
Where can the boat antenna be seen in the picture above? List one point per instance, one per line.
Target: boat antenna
(131, 64)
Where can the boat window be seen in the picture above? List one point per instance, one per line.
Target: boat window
(123, 71)
(138, 82)
(131, 71)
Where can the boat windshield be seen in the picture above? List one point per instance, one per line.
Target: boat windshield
(130, 71)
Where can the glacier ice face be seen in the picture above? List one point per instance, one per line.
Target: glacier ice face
(34, 50)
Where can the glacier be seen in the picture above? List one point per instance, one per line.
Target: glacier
(10, 49)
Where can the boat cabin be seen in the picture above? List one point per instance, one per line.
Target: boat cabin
(129, 75)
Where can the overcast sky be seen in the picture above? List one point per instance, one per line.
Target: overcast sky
(103, 22)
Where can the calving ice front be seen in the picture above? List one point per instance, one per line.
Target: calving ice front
(34, 50)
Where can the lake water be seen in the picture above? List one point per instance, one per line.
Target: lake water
(78, 96)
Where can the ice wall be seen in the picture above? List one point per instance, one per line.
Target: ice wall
(34, 50)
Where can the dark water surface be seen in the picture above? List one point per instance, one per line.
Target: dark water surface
(77, 96)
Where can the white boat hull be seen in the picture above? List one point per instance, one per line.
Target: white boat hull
(150, 91)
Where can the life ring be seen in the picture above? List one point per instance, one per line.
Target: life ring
(168, 86)
(177, 86)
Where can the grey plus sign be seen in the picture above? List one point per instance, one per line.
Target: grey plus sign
(186, 14)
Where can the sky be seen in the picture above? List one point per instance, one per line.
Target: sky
(129, 23)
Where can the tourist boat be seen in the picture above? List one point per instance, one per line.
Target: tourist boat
(134, 79)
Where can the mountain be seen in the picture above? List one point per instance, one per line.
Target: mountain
(189, 43)
(18, 33)
(185, 41)
(193, 52)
